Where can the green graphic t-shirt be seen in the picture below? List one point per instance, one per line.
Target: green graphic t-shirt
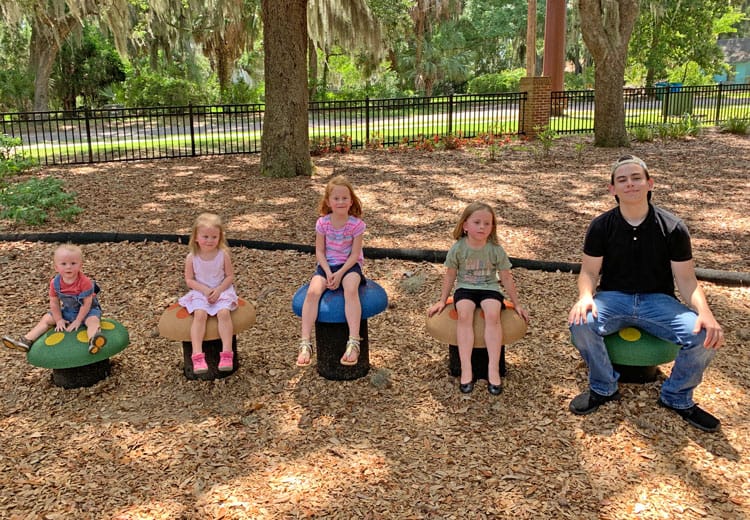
(477, 268)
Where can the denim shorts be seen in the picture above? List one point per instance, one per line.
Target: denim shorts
(69, 314)
(356, 268)
(477, 296)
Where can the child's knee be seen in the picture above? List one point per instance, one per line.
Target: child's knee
(92, 321)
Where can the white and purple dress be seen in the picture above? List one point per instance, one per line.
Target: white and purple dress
(209, 273)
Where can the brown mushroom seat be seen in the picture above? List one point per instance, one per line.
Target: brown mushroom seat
(175, 324)
(442, 327)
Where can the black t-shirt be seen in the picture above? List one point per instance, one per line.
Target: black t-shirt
(637, 259)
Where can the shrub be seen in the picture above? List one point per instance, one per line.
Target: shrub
(12, 162)
(735, 126)
(31, 201)
(506, 81)
(324, 145)
(150, 89)
(643, 134)
(452, 142)
(546, 137)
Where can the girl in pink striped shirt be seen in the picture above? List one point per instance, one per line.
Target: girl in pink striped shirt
(338, 250)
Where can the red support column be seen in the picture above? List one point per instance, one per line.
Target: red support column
(554, 46)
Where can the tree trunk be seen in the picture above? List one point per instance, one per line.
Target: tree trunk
(44, 50)
(606, 26)
(285, 145)
(45, 45)
(609, 110)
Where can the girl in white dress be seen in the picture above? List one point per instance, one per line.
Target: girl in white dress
(209, 275)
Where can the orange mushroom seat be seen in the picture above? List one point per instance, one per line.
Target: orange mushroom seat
(175, 321)
(442, 326)
(175, 324)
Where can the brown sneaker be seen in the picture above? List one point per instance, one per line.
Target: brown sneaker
(19, 343)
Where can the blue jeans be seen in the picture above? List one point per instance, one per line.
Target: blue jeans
(658, 314)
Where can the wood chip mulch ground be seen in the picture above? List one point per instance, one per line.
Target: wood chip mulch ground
(277, 441)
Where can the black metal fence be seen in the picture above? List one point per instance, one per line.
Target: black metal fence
(122, 134)
(573, 111)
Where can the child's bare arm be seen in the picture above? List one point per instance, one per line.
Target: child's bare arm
(54, 309)
(506, 278)
(448, 281)
(82, 313)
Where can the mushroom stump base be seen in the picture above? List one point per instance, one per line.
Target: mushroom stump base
(479, 362)
(80, 377)
(330, 345)
(212, 348)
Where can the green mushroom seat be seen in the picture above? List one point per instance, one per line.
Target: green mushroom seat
(636, 354)
(67, 354)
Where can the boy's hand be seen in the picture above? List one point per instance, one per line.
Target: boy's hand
(579, 312)
(73, 325)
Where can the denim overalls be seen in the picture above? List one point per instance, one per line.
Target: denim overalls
(71, 303)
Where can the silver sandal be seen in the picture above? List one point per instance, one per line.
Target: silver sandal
(305, 347)
(351, 346)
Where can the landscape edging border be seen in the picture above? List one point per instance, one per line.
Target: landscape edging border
(732, 278)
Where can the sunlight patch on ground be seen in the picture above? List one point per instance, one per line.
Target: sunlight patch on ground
(252, 222)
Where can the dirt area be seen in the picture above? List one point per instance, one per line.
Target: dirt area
(277, 441)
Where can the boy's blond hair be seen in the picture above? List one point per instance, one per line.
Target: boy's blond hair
(68, 248)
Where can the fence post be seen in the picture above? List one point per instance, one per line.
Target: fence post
(717, 119)
(87, 115)
(665, 104)
(192, 130)
(367, 120)
(450, 114)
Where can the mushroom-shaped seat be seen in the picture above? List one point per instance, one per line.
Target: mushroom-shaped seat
(372, 297)
(442, 327)
(636, 354)
(332, 332)
(67, 354)
(175, 323)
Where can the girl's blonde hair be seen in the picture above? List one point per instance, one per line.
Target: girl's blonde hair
(205, 220)
(472, 208)
(323, 207)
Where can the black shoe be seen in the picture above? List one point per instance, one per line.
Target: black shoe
(494, 389)
(696, 416)
(466, 388)
(589, 401)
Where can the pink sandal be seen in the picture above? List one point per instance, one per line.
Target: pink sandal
(226, 361)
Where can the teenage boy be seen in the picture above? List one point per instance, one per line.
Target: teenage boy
(641, 251)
